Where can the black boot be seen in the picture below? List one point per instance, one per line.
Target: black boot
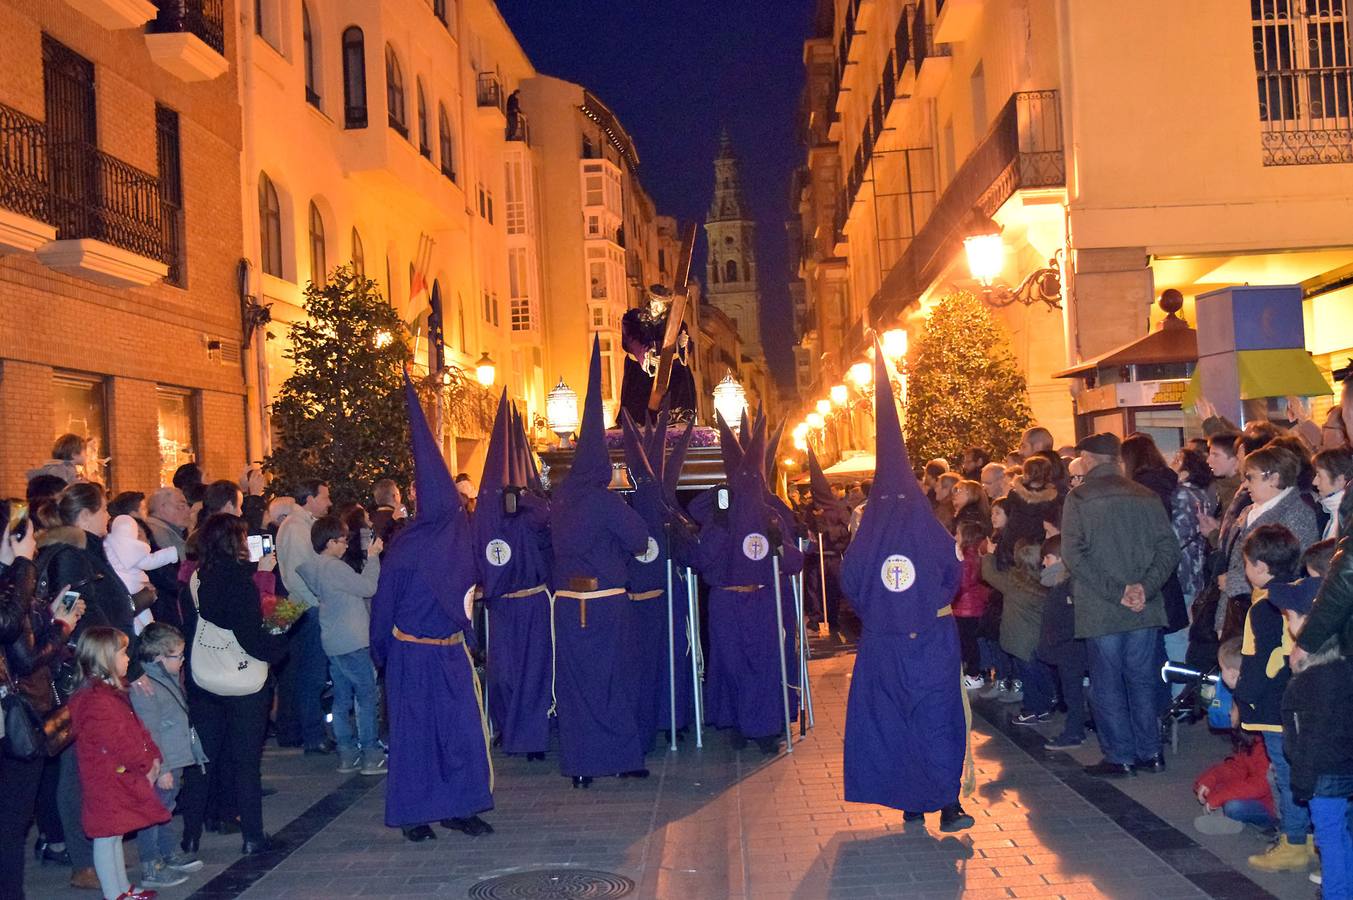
(535, 757)
(953, 818)
(769, 745)
(419, 833)
(473, 826)
(582, 781)
(913, 816)
(635, 773)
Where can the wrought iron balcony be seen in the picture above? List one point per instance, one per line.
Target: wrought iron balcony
(1023, 150)
(518, 128)
(923, 39)
(489, 91)
(95, 195)
(24, 184)
(203, 18)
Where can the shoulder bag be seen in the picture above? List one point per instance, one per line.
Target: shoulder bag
(219, 664)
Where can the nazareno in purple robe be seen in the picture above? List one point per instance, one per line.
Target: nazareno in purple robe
(512, 552)
(906, 730)
(439, 753)
(743, 682)
(594, 532)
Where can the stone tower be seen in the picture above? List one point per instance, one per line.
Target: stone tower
(731, 273)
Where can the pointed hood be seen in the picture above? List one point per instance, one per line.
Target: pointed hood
(730, 448)
(772, 448)
(495, 473)
(824, 498)
(516, 459)
(655, 437)
(744, 429)
(893, 475)
(676, 458)
(636, 455)
(591, 462)
(433, 484)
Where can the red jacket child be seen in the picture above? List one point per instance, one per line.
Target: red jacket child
(114, 752)
(971, 601)
(1241, 776)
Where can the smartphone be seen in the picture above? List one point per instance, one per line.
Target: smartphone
(18, 512)
(68, 600)
(255, 542)
(267, 543)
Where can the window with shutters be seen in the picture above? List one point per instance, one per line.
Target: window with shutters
(169, 160)
(1305, 80)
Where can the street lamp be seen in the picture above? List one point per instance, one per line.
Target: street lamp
(800, 435)
(730, 401)
(382, 339)
(894, 344)
(824, 408)
(862, 374)
(986, 258)
(561, 411)
(485, 370)
(839, 395)
(815, 421)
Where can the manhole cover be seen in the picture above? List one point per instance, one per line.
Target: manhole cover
(553, 884)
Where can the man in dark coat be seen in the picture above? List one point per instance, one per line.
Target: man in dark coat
(906, 728)
(593, 532)
(513, 553)
(829, 527)
(439, 750)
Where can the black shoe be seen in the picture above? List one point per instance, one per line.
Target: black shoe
(582, 781)
(419, 833)
(635, 773)
(323, 749)
(255, 847)
(535, 757)
(913, 816)
(1108, 769)
(229, 825)
(44, 854)
(737, 741)
(190, 845)
(473, 826)
(267, 792)
(769, 745)
(953, 818)
(1153, 765)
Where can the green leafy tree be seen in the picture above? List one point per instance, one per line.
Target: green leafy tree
(340, 416)
(964, 387)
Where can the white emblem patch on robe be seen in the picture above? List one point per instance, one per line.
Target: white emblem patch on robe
(898, 573)
(650, 553)
(755, 546)
(498, 552)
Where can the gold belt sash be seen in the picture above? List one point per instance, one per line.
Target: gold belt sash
(743, 588)
(453, 640)
(648, 595)
(583, 596)
(528, 592)
(944, 611)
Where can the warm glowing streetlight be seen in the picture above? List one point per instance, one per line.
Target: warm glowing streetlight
(730, 401)
(485, 371)
(815, 421)
(861, 374)
(561, 411)
(800, 436)
(383, 339)
(895, 344)
(824, 407)
(839, 395)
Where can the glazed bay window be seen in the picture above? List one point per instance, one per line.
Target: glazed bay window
(177, 430)
(79, 406)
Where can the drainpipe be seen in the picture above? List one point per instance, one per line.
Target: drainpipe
(1070, 318)
(255, 361)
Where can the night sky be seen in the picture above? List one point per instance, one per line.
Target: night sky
(675, 72)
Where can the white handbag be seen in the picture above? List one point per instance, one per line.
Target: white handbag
(219, 664)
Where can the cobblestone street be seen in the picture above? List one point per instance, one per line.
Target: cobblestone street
(720, 823)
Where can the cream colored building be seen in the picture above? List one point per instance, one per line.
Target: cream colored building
(1126, 141)
(386, 135)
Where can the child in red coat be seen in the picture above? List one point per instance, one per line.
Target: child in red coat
(117, 759)
(1238, 786)
(970, 604)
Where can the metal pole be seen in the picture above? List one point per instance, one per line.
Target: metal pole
(806, 688)
(487, 715)
(822, 573)
(693, 623)
(671, 659)
(780, 638)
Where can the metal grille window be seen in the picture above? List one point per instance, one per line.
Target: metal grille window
(318, 269)
(424, 141)
(1305, 80)
(447, 147)
(394, 92)
(269, 226)
(354, 78)
(311, 67)
(169, 156)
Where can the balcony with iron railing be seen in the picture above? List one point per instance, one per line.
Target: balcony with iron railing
(24, 185)
(187, 38)
(489, 92)
(930, 59)
(518, 127)
(97, 196)
(1022, 151)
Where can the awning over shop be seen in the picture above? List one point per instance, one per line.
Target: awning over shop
(1287, 372)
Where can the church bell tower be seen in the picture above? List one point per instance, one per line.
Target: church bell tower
(731, 270)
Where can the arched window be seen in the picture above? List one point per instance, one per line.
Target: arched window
(424, 142)
(730, 271)
(714, 271)
(394, 92)
(444, 139)
(318, 269)
(358, 255)
(354, 78)
(269, 226)
(308, 51)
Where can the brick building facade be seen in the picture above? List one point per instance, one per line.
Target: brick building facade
(120, 236)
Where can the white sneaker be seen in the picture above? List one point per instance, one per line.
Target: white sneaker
(1014, 693)
(973, 682)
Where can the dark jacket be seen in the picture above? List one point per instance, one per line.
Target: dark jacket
(1057, 643)
(1022, 613)
(1333, 611)
(1317, 730)
(40, 642)
(70, 555)
(1115, 533)
(12, 612)
(1263, 666)
(1025, 508)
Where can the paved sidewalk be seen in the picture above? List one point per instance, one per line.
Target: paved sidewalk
(719, 823)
